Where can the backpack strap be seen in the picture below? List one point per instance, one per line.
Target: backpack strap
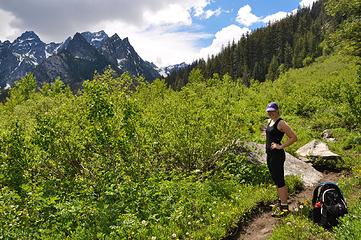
(324, 193)
(315, 194)
(323, 186)
(334, 186)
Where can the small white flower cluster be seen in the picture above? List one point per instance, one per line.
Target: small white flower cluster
(299, 208)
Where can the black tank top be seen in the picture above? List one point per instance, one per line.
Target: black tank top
(273, 135)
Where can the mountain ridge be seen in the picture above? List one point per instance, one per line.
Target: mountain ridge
(73, 60)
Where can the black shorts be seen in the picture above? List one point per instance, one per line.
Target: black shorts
(275, 163)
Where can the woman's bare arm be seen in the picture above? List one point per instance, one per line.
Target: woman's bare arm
(283, 127)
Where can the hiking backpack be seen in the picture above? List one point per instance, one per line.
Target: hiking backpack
(328, 204)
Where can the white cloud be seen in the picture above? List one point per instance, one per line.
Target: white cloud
(199, 6)
(222, 38)
(180, 13)
(161, 45)
(6, 31)
(246, 17)
(307, 3)
(294, 11)
(275, 17)
(166, 48)
(209, 13)
(174, 14)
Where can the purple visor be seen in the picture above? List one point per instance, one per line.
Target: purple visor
(272, 106)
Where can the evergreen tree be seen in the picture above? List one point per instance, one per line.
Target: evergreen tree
(273, 72)
(257, 72)
(288, 56)
(299, 52)
(245, 76)
(235, 64)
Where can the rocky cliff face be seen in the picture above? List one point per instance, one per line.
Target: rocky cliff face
(73, 64)
(74, 60)
(22, 56)
(121, 54)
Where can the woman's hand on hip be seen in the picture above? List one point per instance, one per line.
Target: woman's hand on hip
(276, 146)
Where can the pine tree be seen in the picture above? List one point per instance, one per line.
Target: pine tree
(299, 52)
(273, 72)
(257, 72)
(245, 76)
(288, 56)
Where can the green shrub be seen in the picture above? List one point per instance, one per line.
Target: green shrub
(350, 225)
(295, 227)
(124, 160)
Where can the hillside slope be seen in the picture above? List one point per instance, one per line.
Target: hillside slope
(114, 163)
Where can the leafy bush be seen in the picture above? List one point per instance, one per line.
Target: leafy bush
(350, 225)
(241, 169)
(294, 227)
(126, 160)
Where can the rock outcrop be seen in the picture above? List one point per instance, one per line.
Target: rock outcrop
(293, 165)
(316, 150)
(328, 135)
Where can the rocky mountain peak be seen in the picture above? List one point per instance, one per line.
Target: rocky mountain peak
(78, 37)
(77, 42)
(27, 40)
(5, 44)
(115, 38)
(95, 39)
(29, 35)
(80, 48)
(126, 40)
(74, 60)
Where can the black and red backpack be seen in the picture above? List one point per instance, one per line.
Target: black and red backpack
(328, 204)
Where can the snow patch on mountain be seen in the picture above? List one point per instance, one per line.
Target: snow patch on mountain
(166, 71)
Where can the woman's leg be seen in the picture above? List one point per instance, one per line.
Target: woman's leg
(275, 162)
(283, 194)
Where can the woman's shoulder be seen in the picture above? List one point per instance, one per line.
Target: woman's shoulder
(282, 124)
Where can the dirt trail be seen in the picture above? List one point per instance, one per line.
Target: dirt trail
(262, 225)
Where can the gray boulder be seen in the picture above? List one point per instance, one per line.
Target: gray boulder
(316, 150)
(293, 165)
(328, 135)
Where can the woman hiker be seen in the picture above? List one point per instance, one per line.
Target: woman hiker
(275, 130)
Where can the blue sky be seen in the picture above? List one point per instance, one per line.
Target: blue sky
(162, 31)
(259, 8)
